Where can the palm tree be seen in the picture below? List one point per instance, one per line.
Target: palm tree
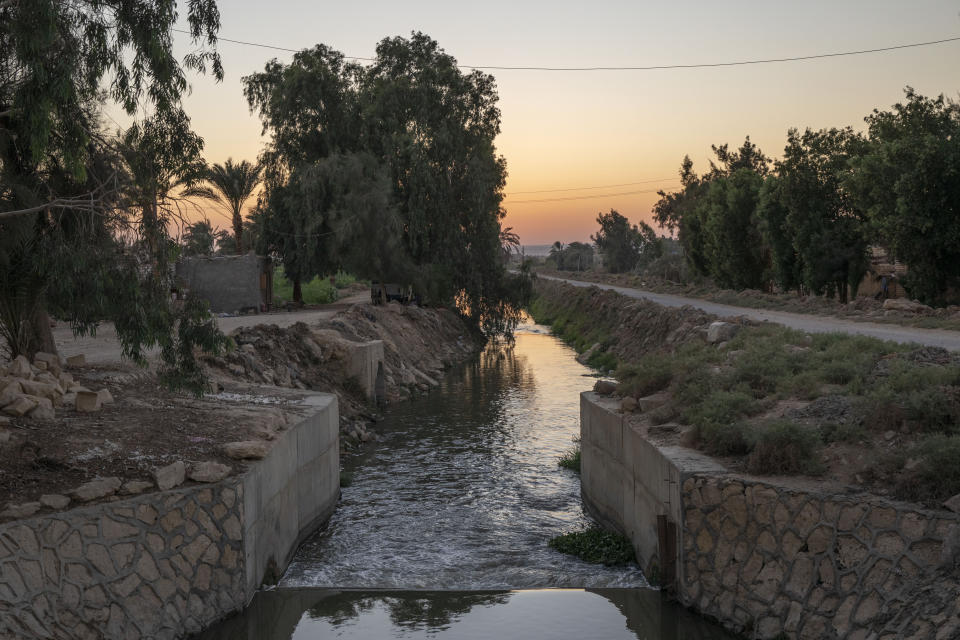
(509, 242)
(556, 252)
(232, 185)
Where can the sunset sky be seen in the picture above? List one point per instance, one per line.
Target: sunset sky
(566, 130)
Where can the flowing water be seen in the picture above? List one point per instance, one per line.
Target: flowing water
(459, 497)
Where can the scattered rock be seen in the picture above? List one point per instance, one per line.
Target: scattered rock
(88, 401)
(825, 409)
(663, 429)
(209, 471)
(133, 487)
(43, 410)
(76, 361)
(50, 361)
(51, 392)
(628, 404)
(24, 510)
(20, 368)
(584, 357)
(54, 501)
(605, 387)
(953, 503)
(655, 401)
(908, 306)
(889, 434)
(20, 407)
(10, 392)
(96, 488)
(170, 476)
(66, 379)
(247, 450)
(105, 396)
(721, 332)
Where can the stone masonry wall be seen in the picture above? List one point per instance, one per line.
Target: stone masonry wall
(166, 564)
(813, 566)
(767, 559)
(148, 567)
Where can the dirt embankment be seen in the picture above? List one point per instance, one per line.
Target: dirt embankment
(146, 438)
(418, 344)
(899, 311)
(855, 413)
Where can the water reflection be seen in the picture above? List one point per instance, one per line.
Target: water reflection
(314, 614)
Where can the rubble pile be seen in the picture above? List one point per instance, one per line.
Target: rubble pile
(36, 390)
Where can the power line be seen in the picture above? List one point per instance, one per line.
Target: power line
(601, 186)
(599, 195)
(700, 65)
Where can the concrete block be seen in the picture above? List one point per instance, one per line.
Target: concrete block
(365, 363)
(88, 401)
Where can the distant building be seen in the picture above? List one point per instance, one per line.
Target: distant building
(230, 284)
(883, 265)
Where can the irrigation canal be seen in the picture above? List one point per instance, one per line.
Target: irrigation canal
(443, 531)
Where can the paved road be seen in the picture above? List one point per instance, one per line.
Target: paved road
(105, 347)
(814, 324)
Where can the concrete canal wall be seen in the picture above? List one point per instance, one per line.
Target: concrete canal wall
(166, 564)
(763, 557)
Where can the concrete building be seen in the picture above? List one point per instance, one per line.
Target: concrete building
(229, 283)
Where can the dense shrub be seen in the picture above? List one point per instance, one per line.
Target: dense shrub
(784, 448)
(653, 373)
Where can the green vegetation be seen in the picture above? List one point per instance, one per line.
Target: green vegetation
(575, 327)
(230, 185)
(654, 374)
(571, 459)
(806, 222)
(390, 171)
(872, 391)
(596, 545)
(782, 447)
(625, 247)
(84, 212)
(316, 291)
(576, 256)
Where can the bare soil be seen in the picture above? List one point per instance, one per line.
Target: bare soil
(259, 387)
(146, 427)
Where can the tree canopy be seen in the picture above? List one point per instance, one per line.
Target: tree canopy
(82, 211)
(413, 123)
(808, 221)
(907, 179)
(625, 246)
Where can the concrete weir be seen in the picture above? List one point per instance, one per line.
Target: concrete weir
(170, 563)
(775, 557)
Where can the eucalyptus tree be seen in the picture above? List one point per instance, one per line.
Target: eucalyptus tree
(826, 223)
(908, 181)
(736, 254)
(431, 128)
(68, 188)
(231, 185)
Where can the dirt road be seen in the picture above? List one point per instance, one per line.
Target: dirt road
(814, 324)
(105, 347)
